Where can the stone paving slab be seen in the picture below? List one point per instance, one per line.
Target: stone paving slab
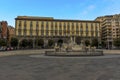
(24, 67)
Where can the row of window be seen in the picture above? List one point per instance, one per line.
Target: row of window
(63, 31)
(60, 24)
(52, 34)
(77, 29)
(56, 33)
(60, 28)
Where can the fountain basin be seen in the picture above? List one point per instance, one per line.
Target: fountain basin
(74, 53)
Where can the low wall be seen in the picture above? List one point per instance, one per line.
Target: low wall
(111, 51)
(74, 53)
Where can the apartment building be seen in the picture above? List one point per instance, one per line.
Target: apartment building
(3, 29)
(11, 33)
(110, 28)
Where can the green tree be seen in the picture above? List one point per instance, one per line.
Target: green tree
(14, 42)
(103, 44)
(78, 40)
(117, 42)
(40, 42)
(50, 42)
(60, 42)
(87, 42)
(30, 43)
(24, 43)
(3, 42)
(94, 42)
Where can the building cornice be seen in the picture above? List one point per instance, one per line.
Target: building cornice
(51, 19)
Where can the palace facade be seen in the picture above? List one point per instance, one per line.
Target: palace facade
(30, 27)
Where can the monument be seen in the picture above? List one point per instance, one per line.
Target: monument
(73, 49)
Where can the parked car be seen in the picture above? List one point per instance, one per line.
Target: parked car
(3, 48)
(6, 48)
(9, 48)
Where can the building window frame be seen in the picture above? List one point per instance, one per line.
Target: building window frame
(20, 23)
(52, 26)
(56, 26)
(42, 25)
(86, 27)
(31, 28)
(60, 26)
(96, 30)
(25, 24)
(19, 32)
(81, 27)
(47, 25)
(72, 25)
(77, 27)
(37, 28)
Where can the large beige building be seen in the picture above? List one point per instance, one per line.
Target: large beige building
(56, 29)
(110, 28)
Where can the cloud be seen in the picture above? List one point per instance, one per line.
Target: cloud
(112, 8)
(91, 7)
(88, 9)
(86, 12)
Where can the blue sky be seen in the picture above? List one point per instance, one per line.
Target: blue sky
(63, 9)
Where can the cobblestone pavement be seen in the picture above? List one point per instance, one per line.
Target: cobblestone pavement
(40, 67)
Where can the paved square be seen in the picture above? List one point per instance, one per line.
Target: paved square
(28, 67)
